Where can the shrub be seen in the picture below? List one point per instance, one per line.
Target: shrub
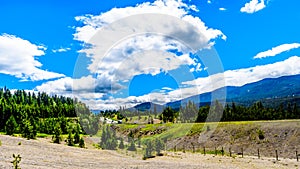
(56, 138)
(207, 128)
(77, 134)
(159, 145)
(132, 146)
(11, 125)
(81, 143)
(16, 161)
(29, 129)
(70, 139)
(108, 139)
(148, 150)
(121, 145)
(261, 135)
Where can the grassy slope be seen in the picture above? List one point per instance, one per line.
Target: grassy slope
(237, 135)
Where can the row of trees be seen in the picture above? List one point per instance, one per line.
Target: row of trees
(231, 112)
(109, 141)
(257, 111)
(156, 145)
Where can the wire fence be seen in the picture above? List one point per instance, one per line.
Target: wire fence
(236, 151)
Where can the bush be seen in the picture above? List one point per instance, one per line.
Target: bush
(148, 150)
(207, 128)
(0, 143)
(159, 145)
(121, 145)
(261, 135)
(77, 134)
(81, 143)
(132, 146)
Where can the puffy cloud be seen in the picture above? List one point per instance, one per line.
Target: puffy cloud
(144, 53)
(17, 58)
(94, 23)
(149, 63)
(222, 9)
(59, 86)
(253, 6)
(86, 84)
(60, 50)
(200, 85)
(244, 76)
(277, 50)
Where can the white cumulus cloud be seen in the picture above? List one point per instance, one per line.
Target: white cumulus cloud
(277, 50)
(253, 6)
(17, 58)
(239, 77)
(129, 56)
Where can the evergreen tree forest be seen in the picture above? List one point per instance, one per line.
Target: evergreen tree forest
(29, 113)
(257, 111)
(231, 112)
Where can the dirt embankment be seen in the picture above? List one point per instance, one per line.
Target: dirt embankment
(263, 136)
(283, 136)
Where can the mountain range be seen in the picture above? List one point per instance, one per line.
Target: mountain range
(271, 91)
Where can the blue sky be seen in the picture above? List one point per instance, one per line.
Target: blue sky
(42, 43)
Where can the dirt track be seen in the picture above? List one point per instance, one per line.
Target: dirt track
(44, 155)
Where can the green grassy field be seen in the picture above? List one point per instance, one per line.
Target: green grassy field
(177, 130)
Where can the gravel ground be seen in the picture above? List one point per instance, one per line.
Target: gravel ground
(40, 154)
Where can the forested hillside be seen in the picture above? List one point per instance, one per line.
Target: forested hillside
(31, 113)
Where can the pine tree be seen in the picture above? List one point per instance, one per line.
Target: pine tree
(108, 139)
(121, 145)
(139, 142)
(104, 138)
(33, 123)
(11, 126)
(28, 130)
(77, 134)
(57, 133)
(159, 145)
(132, 146)
(113, 140)
(70, 139)
(168, 115)
(149, 149)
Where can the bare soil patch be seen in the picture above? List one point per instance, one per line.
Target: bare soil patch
(40, 154)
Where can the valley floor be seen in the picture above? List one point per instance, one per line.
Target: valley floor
(40, 154)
